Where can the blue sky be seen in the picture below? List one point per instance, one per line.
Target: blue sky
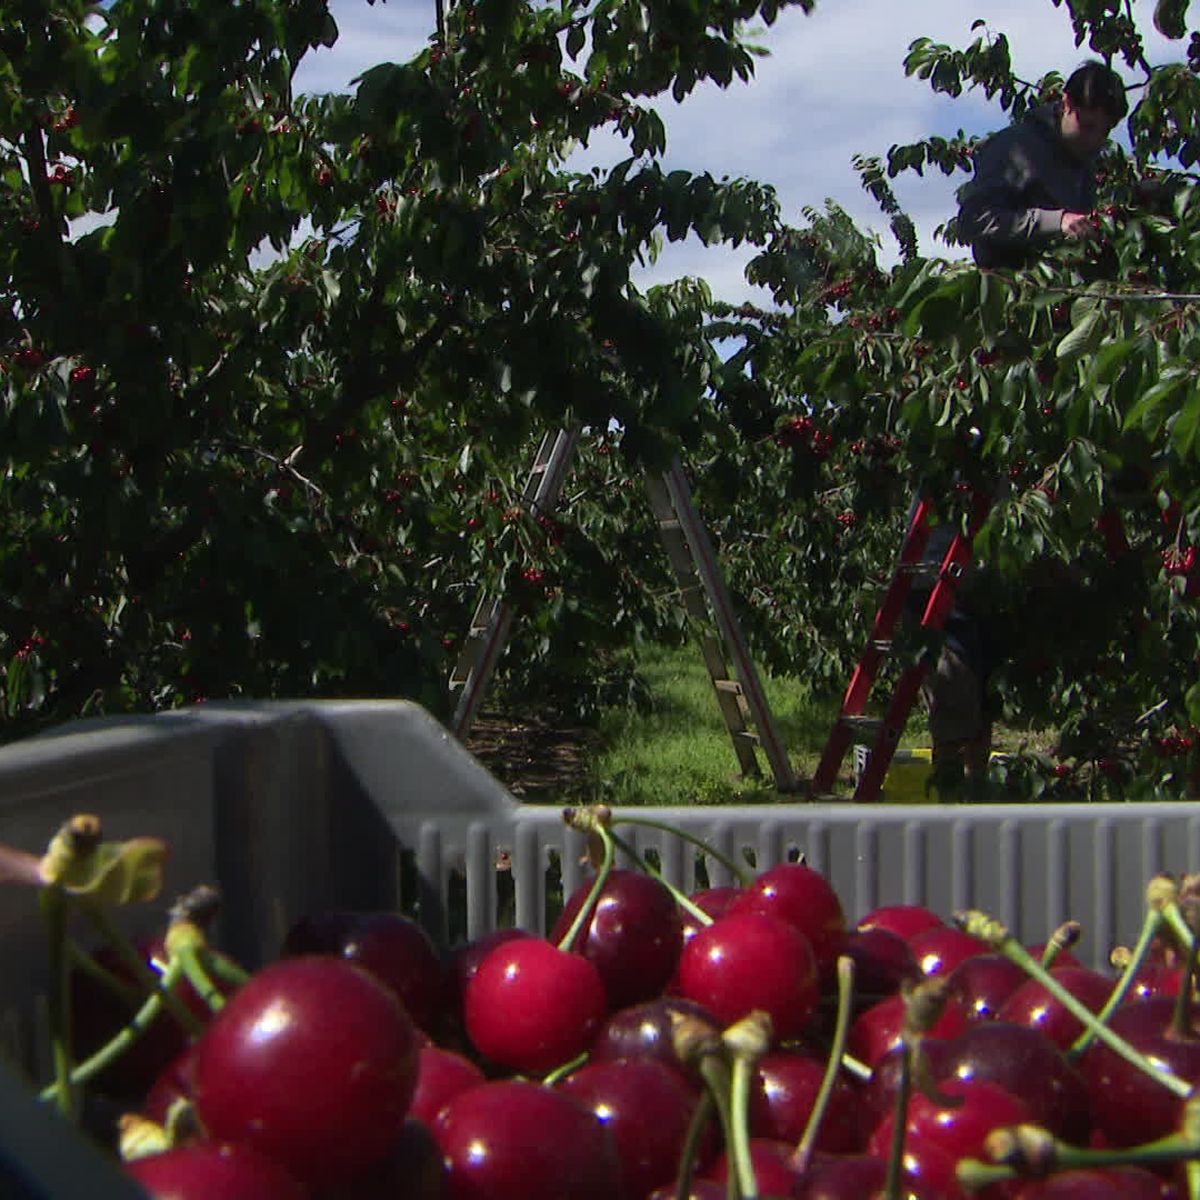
(832, 86)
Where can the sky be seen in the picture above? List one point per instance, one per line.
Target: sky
(832, 86)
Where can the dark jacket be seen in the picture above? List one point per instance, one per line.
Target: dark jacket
(1025, 179)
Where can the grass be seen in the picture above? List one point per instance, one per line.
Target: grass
(680, 752)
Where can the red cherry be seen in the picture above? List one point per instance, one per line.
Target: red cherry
(904, 920)
(1093, 1183)
(324, 1097)
(752, 961)
(877, 1030)
(533, 1007)
(1031, 1004)
(785, 1089)
(983, 983)
(882, 961)
(515, 1140)
(647, 1108)
(206, 1170)
(805, 898)
(441, 1075)
(939, 951)
(396, 950)
(1025, 1063)
(773, 1167)
(959, 1129)
(646, 1030)
(714, 902)
(633, 936)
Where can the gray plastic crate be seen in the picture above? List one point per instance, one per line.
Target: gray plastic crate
(291, 807)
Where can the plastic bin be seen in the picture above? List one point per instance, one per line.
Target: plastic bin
(291, 807)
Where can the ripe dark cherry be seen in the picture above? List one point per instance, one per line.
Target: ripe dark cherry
(441, 1075)
(878, 1029)
(1128, 1107)
(983, 983)
(515, 1140)
(804, 897)
(646, 1030)
(393, 948)
(783, 1093)
(1028, 1064)
(773, 1167)
(939, 951)
(701, 1189)
(958, 1129)
(208, 1169)
(862, 1176)
(904, 920)
(882, 961)
(411, 1170)
(647, 1108)
(1109, 1183)
(1031, 1004)
(744, 962)
(533, 1007)
(633, 936)
(877, 1096)
(313, 1062)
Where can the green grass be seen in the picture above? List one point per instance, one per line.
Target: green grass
(680, 752)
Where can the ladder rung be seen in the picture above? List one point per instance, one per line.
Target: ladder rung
(746, 735)
(728, 685)
(861, 724)
(932, 570)
(881, 645)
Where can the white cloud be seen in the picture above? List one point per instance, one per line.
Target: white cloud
(833, 86)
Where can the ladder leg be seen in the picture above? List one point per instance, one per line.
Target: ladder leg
(709, 573)
(492, 623)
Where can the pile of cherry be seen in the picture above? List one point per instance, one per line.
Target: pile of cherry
(747, 1041)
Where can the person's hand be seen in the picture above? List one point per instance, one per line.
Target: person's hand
(1078, 225)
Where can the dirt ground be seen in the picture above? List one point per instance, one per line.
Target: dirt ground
(535, 760)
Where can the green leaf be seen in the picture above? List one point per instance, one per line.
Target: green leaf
(1147, 413)
(575, 40)
(1083, 338)
(1186, 425)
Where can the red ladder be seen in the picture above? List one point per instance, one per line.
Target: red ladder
(887, 730)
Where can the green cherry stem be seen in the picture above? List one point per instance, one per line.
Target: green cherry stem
(58, 1000)
(740, 871)
(1150, 928)
(702, 1114)
(563, 1070)
(224, 968)
(126, 1036)
(96, 913)
(895, 1167)
(585, 910)
(845, 980)
(997, 936)
(858, 1069)
(688, 906)
(192, 962)
(716, 1077)
(745, 1041)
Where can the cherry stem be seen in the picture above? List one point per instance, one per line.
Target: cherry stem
(54, 911)
(974, 1174)
(997, 936)
(85, 962)
(1150, 928)
(192, 960)
(688, 906)
(741, 871)
(126, 1036)
(585, 910)
(716, 1077)
(1187, 937)
(701, 1116)
(188, 1020)
(223, 967)
(563, 1070)
(739, 1103)
(895, 1167)
(845, 980)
